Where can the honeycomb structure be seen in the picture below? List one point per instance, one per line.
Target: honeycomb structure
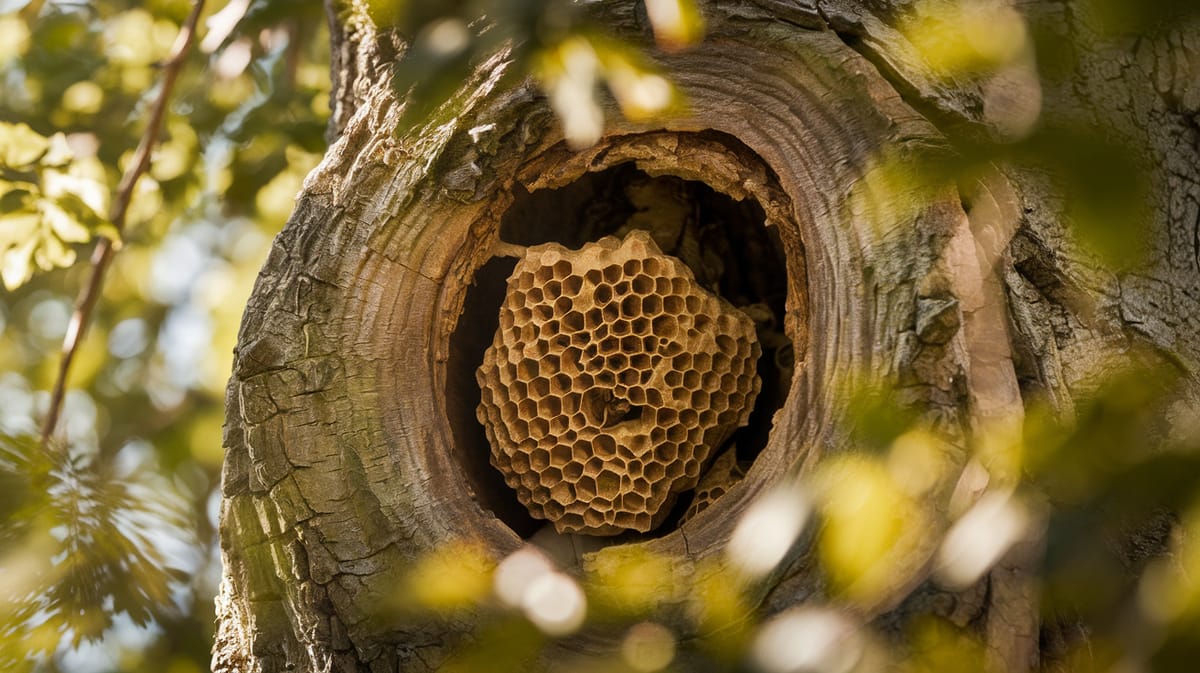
(611, 380)
(720, 477)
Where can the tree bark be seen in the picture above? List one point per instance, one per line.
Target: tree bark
(342, 465)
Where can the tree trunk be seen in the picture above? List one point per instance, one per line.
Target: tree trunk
(347, 457)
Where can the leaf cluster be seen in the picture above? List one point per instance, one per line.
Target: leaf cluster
(82, 544)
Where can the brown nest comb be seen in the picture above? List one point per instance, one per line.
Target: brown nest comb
(611, 381)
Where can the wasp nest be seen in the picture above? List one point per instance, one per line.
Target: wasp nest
(717, 480)
(611, 380)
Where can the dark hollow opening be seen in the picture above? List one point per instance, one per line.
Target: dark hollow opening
(476, 327)
(724, 242)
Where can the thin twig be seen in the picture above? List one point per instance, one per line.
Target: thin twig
(103, 253)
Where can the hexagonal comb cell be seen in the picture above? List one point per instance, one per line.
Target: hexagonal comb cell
(721, 476)
(592, 340)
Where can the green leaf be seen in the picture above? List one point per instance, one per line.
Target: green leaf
(21, 146)
(59, 153)
(65, 225)
(84, 179)
(17, 227)
(53, 253)
(16, 265)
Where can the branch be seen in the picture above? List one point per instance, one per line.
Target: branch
(102, 255)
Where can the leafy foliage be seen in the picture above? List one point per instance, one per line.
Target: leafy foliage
(108, 546)
(106, 529)
(559, 42)
(50, 201)
(1079, 504)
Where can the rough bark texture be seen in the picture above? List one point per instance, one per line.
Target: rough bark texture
(342, 466)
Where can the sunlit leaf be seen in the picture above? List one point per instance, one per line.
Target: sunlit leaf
(648, 647)
(981, 537)
(14, 35)
(940, 647)
(60, 155)
(454, 577)
(21, 146)
(82, 183)
(768, 530)
(873, 534)
(83, 97)
(138, 38)
(966, 37)
(388, 13)
(53, 253)
(640, 89)
(631, 581)
(676, 23)
(16, 264)
(66, 227)
(808, 639)
(570, 73)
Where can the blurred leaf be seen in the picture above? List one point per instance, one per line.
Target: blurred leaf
(1117, 481)
(569, 71)
(1178, 591)
(940, 647)
(9, 6)
(805, 638)
(14, 195)
(1146, 16)
(676, 23)
(14, 37)
(20, 146)
(876, 419)
(872, 532)
(502, 646)
(1117, 429)
(82, 544)
(1105, 185)
(16, 264)
(263, 15)
(631, 581)
(966, 38)
(434, 68)
(569, 54)
(456, 576)
(642, 90)
(66, 219)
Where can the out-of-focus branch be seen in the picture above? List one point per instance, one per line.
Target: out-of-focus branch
(103, 253)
